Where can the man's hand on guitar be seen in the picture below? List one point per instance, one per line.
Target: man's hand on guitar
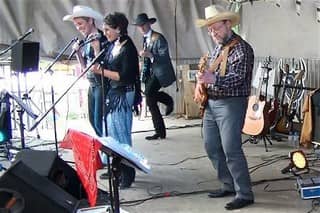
(206, 77)
(146, 53)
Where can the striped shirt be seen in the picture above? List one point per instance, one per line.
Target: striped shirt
(237, 79)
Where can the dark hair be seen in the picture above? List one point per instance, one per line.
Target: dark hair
(117, 20)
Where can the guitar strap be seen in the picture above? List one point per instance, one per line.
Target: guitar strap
(223, 58)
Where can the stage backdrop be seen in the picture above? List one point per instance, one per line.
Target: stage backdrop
(175, 19)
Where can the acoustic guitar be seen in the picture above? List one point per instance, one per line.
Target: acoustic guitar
(220, 60)
(284, 125)
(254, 123)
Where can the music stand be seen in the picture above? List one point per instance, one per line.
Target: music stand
(120, 154)
(23, 108)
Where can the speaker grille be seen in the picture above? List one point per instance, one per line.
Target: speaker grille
(25, 57)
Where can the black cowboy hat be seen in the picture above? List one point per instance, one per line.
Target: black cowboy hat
(142, 18)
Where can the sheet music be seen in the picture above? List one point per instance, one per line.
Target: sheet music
(126, 152)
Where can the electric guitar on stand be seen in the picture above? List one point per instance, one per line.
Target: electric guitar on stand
(277, 106)
(284, 125)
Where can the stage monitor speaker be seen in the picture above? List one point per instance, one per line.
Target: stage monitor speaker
(49, 164)
(25, 57)
(315, 99)
(39, 193)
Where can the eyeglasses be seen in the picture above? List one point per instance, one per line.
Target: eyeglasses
(216, 29)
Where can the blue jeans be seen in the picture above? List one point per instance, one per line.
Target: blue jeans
(222, 127)
(95, 108)
(120, 122)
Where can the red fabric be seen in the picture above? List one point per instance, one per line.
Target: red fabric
(87, 159)
(65, 144)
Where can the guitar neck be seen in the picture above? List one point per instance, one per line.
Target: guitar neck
(297, 78)
(286, 70)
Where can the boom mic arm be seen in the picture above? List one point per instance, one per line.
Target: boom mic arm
(31, 30)
(40, 118)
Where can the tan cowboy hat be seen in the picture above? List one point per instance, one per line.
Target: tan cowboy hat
(84, 11)
(215, 13)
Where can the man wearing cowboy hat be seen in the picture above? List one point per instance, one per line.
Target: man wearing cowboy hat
(157, 72)
(88, 22)
(228, 83)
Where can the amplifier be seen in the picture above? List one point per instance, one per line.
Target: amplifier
(309, 188)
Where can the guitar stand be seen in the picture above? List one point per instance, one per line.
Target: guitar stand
(255, 139)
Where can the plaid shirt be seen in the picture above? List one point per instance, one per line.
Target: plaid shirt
(237, 79)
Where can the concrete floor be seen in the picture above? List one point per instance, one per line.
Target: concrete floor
(181, 173)
(180, 166)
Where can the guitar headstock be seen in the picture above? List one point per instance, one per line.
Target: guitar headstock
(203, 62)
(301, 69)
(283, 68)
(267, 63)
(286, 68)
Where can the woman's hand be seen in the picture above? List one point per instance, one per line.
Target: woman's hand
(96, 68)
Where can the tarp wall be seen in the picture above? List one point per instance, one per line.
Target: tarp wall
(272, 30)
(279, 31)
(175, 20)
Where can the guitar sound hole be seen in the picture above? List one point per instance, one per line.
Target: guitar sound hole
(255, 107)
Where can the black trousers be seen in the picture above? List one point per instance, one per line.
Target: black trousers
(153, 96)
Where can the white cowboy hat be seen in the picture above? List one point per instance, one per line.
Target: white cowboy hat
(215, 13)
(84, 11)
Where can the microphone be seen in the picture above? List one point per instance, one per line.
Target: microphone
(92, 38)
(80, 43)
(31, 30)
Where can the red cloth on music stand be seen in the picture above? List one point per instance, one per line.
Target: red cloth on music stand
(87, 159)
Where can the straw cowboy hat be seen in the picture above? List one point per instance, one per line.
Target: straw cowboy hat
(84, 11)
(216, 13)
(143, 18)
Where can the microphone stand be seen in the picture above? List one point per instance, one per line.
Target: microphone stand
(55, 60)
(40, 118)
(48, 69)
(23, 107)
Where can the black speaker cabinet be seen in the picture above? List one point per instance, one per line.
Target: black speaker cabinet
(25, 57)
(39, 193)
(315, 99)
(51, 166)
